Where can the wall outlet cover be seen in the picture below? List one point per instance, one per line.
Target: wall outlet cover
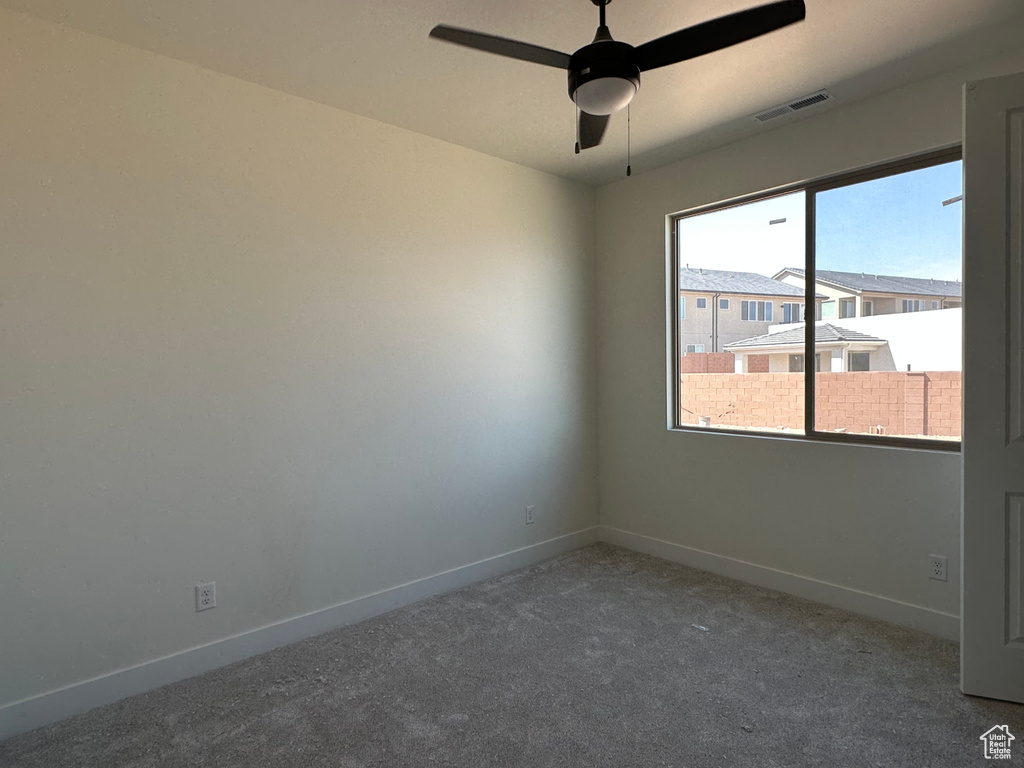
(529, 514)
(937, 567)
(206, 596)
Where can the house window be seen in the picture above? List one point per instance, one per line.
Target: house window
(792, 312)
(756, 311)
(723, 303)
(702, 303)
(693, 348)
(682, 307)
(796, 363)
(860, 361)
(879, 231)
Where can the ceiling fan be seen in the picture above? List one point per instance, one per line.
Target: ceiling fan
(605, 75)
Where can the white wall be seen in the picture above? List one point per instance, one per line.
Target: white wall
(926, 341)
(758, 499)
(249, 338)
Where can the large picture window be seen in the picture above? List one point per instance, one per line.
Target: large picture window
(877, 254)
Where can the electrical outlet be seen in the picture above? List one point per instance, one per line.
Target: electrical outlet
(206, 596)
(937, 567)
(529, 514)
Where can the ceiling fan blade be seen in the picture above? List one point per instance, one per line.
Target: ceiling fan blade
(718, 33)
(592, 128)
(503, 46)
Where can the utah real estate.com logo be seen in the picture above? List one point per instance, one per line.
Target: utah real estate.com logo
(997, 742)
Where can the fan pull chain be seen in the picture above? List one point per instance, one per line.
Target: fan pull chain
(629, 168)
(577, 130)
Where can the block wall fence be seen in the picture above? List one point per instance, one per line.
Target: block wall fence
(908, 403)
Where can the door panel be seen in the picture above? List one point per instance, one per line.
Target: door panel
(1015, 210)
(992, 587)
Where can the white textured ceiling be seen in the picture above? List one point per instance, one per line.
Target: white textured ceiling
(374, 58)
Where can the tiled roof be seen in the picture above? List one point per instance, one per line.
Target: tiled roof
(861, 282)
(823, 334)
(719, 281)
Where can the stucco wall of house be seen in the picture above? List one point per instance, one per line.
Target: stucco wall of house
(881, 303)
(779, 362)
(884, 304)
(830, 305)
(697, 326)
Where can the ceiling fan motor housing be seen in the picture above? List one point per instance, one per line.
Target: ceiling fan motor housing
(609, 60)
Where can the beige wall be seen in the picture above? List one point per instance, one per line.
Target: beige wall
(831, 293)
(699, 489)
(881, 304)
(253, 339)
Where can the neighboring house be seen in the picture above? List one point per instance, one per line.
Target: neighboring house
(718, 307)
(837, 350)
(857, 294)
(912, 342)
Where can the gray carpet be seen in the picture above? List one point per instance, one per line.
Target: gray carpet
(601, 657)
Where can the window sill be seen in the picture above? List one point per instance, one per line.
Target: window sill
(930, 445)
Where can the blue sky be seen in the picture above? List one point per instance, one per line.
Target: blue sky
(891, 226)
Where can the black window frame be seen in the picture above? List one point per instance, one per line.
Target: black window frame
(810, 188)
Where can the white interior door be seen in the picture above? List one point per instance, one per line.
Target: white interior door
(992, 587)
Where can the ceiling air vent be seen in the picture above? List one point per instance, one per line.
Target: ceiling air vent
(793, 106)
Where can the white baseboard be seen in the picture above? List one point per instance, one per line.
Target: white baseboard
(933, 622)
(28, 714)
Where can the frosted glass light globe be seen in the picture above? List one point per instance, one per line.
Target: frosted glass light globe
(604, 95)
